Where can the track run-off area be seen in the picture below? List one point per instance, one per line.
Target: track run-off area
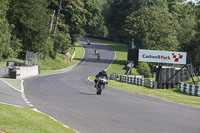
(71, 98)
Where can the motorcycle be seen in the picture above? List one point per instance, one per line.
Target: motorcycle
(88, 42)
(98, 55)
(101, 82)
(96, 52)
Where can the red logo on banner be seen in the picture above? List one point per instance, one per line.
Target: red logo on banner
(177, 58)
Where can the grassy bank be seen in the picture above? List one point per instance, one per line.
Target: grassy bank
(117, 67)
(22, 120)
(196, 80)
(61, 62)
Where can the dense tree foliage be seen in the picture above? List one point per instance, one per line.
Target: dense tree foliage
(144, 69)
(151, 29)
(96, 23)
(156, 24)
(52, 26)
(4, 29)
(31, 22)
(47, 26)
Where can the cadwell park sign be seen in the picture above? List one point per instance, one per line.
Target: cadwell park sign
(162, 56)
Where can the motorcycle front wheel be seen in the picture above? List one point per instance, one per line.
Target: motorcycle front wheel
(99, 90)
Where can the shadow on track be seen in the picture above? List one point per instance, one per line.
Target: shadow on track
(85, 94)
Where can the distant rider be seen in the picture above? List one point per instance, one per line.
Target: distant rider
(97, 53)
(103, 74)
(88, 42)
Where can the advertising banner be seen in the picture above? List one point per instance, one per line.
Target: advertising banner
(162, 56)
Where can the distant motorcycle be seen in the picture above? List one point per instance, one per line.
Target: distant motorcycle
(97, 53)
(88, 42)
(98, 56)
(101, 82)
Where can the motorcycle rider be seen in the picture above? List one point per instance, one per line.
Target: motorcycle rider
(88, 42)
(101, 73)
(97, 53)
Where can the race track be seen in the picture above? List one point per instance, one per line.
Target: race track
(71, 99)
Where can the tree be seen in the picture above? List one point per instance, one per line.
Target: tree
(144, 69)
(4, 29)
(95, 21)
(161, 4)
(74, 16)
(187, 24)
(31, 24)
(151, 29)
(116, 13)
(193, 47)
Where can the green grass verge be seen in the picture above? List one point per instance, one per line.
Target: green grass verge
(14, 82)
(22, 120)
(46, 72)
(61, 62)
(168, 94)
(117, 67)
(54, 64)
(196, 79)
(79, 53)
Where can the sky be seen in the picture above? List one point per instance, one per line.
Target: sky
(193, 0)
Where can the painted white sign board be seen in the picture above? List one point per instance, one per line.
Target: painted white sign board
(162, 56)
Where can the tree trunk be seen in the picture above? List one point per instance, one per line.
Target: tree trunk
(57, 16)
(51, 24)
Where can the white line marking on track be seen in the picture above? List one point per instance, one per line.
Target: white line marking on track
(35, 109)
(11, 86)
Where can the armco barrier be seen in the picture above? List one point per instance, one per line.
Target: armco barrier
(190, 89)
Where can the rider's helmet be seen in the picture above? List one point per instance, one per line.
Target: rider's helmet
(104, 71)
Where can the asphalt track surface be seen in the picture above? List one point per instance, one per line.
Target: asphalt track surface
(71, 99)
(11, 96)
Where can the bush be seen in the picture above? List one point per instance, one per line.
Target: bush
(144, 69)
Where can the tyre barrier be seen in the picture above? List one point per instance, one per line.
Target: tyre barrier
(190, 89)
(132, 80)
(114, 76)
(150, 83)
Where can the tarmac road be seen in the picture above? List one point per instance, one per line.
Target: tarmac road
(70, 98)
(11, 96)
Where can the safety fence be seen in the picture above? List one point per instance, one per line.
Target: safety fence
(190, 89)
(131, 79)
(32, 58)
